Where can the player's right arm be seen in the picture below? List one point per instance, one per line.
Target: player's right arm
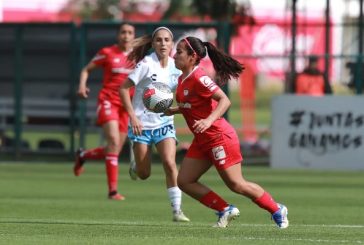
(83, 90)
(135, 123)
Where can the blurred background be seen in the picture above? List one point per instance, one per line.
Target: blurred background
(45, 43)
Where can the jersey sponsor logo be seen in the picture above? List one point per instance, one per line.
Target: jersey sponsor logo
(219, 153)
(98, 57)
(116, 60)
(121, 70)
(185, 92)
(153, 77)
(184, 105)
(207, 82)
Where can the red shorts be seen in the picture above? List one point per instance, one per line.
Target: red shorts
(223, 151)
(107, 111)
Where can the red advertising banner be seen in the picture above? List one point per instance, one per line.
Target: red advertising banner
(271, 37)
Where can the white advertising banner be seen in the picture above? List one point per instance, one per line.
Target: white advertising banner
(318, 132)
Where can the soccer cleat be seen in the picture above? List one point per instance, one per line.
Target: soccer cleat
(179, 216)
(116, 196)
(227, 215)
(132, 170)
(280, 217)
(79, 161)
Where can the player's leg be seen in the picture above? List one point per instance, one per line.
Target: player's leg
(143, 159)
(106, 112)
(132, 163)
(97, 153)
(113, 147)
(167, 151)
(188, 180)
(234, 180)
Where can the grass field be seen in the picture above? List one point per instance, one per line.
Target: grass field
(43, 203)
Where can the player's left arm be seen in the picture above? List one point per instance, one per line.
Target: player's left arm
(223, 104)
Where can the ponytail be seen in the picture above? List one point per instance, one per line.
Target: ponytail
(225, 66)
(141, 47)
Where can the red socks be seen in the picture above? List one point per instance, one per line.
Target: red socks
(112, 171)
(94, 154)
(213, 201)
(266, 202)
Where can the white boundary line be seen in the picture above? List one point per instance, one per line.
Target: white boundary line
(80, 222)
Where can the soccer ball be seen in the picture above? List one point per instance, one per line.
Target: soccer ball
(157, 97)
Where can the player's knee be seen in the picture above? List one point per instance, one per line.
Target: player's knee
(181, 183)
(114, 144)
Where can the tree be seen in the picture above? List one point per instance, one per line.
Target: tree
(94, 9)
(220, 10)
(202, 8)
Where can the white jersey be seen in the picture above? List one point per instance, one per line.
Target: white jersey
(147, 71)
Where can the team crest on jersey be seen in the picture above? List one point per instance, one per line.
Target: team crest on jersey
(116, 60)
(185, 92)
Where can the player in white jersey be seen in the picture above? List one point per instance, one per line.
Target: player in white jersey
(147, 71)
(147, 128)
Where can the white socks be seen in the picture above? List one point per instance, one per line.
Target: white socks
(175, 196)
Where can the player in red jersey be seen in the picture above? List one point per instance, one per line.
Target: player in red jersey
(111, 114)
(202, 103)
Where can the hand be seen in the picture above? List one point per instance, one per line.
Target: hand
(171, 111)
(136, 126)
(201, 125)
(83, 92)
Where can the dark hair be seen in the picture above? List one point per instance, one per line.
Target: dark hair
(225, 66)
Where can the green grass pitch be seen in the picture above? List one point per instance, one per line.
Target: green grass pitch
(43, 203)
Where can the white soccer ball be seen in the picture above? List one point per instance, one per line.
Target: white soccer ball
(157, 97)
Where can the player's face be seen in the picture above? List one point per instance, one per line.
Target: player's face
(162, 43)
(126, 34)
(182, 60)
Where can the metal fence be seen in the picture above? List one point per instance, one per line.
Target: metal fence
(40, 65)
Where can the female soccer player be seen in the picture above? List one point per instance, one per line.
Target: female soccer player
(215, 142)
(111, 114)
(147, 128)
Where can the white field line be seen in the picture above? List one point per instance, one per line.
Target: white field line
(80, 222)
(309, 225)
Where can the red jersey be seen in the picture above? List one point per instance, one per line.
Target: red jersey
(194, 98)
(116, 69)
